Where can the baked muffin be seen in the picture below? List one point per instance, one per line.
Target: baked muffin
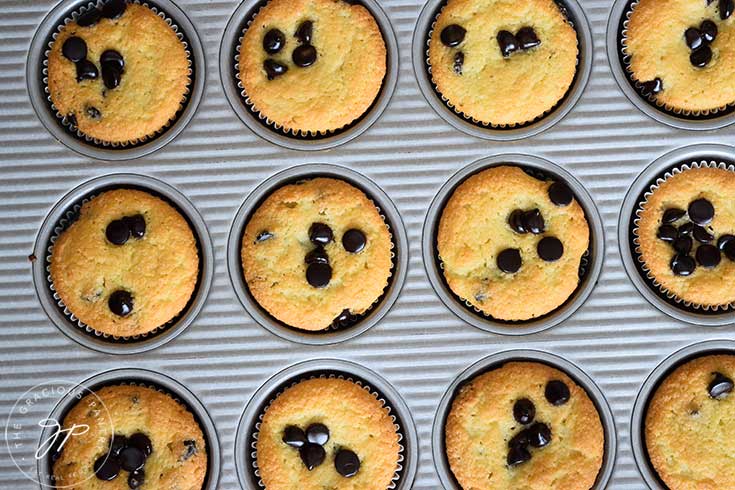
(685, 236)
(312, 66)
(119, 74)
(690, 434)
(137, 438)
(683, 55)
(524, 425)
(128, 265)
(502, 62)
(327, 433)
(316, 253)
(511, 244)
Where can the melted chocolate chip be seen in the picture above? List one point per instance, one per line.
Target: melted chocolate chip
(141, 442)
(507, 42)
(89, 18)
(652, 87)
(527, 38)
(458, 62)
(726, 8)
(720, 387)
(534, 222)
(524, 411)
(682, 265)
(304, 55)
(539, 435)
(515, 221)
(136, 225)
(693, 38)
(708, 256)
(354, 241)
(93, 113)
(318, 275)
(672, 215)
(263, 236)
(701, 57)
(667, 233)
(550, 249)
(111, 75)
(114, 8)
(294, 436)
(560, 194)
(317, 256)
(120, 303)
(686, 229)
(708, 30)
(191, 449)
(112, 58)
(320, 234)
(509, 260)
(343, 319)
(702, 235)
(274, 69)
(452, 35)
(724, 240)
(701, 211)
(312, 455)
(317, 434)
(74, 49)
(729, 249)
(106, 468)
(117, 232)
(132, 458)
(517, 455)
(346, 463)
(305, 32)
(519, 440)
(118, 442)
(86, 71)
(683, 245)
(273, 41)
(136, 479)
(557, 392)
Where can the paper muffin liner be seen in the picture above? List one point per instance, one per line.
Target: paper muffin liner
(625, 58)
(255, 432)
(64, 223)
(69, 123)
(635, 239)
(481, 124)
(264, 119)
(584, 261)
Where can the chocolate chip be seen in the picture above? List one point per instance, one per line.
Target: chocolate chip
(191, 449)
(304, 55)
(354, 241)
(672, 215)
(458, 62)
(141, 442)
(132, 458)
(667, 233)
(274, 69)
(263, 236)
(534, 222)
(74, 49)
(118, 442)
(320, 234)
(517, 455)
(312, 455)
(701, 211)
(524, 411)
(317, 256)
(318, 275)
(136, 225)
(701, 57)
(683, 244)
(720, 387)
(693, 38)
(708, 256)
(729, 249)
(112, 58)
(93, 113)
(515, 220)
(550, 249)
(343, 319)
(557, 392)
(273, 41)
(509, 260)
(702, 235)
(136, 479)
(86, 71)
(726, 8)
(111, 75)
(708, 30)
(305, 31)
(560, 194)
(89, 18)
(539, 435)
(317, 434)
(724, 240)
(120, 303)
(114, 8)
(527, 38)
(106, 468)
(294, 436)
(686, 229)
(117, 232)
(346, 463)
(507, 42)
(682, 265)
(453, 35)
(519, 440)
(652, 86)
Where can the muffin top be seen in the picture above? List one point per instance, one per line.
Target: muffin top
(136, 437)
(683, 53)
(327, 433)
(119, 74)
(127, 265)
(312, 66)
(503, 62)
(511, 244)
(316, 252)
(685, 235)
(524, 425)
(690, 429)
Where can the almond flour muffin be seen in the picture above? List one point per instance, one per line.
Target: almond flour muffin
(689, 429)
(511, 244)
(683, 53)
(137, 438)
(128, 265)
(119, 74)
(524, 425)
(327, 433)
(502, 62)
(685, 236)
(316, 253)
(312, 66)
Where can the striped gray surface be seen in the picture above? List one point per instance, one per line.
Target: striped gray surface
(616, 337)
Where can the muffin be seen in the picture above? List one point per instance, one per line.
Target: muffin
(316, 253)
(511, 245)
(684, 235)
(689, 430)
(312, 66)
(683, 56)
(500, 62)
(128, 265)
(524, 425)
(327, 433)
(137, 437)
(119, 74)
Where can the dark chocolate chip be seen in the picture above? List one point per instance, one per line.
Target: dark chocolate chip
(318, 275)
(524, 411)
(452, 35)
(686, 229)
(191, 449)
(320, 234)
(515, 220)
(93, 113)
(263, 236)
(136, 479)
(294, 436)
(534, 222)
(517, 455)
(560, 194)
(693, 38)
(89, 18)
(343, 319)
(519, 440)
(136, 225)
(274, 69)
(509, 260)
(273, 41)
(652, 86)
(507, 42)
(726, 8)
(701, 57)
(112, 58)
(141, 442)
(667, 233)
(682, 265)
(118, 442)
(86, 70)
(354, 241)
(74, 49)
(527, 38)
(724, 240)
(701, 211)
(729, 249)
(305, 32)
(117, 232)
(458, 62)
(120, 303)
(720, 387)
(708, 256)
(702, 235)
(708, 30)
(317, 256)
(557, 392)
(550, 249)
(317, 434)
(672, 215)
(539, 435)
(304, 55)
(111, 75)
(106, 468)
(346, 463)
(312, 455)
(132, 458)
(683, 244)
(114, 8)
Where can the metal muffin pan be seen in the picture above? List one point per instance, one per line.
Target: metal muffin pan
(497, 360)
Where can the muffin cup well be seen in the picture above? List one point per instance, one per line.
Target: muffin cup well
(144, 378)
(497, 360)
(362, 322)
(422, 69)
(59, 125)
(270, 131)
(590, 266)
(644, 184)
(620, 66)
(649, 387)
(249, 425)
(65, 212)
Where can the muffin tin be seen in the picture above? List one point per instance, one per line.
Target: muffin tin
(419, 347)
